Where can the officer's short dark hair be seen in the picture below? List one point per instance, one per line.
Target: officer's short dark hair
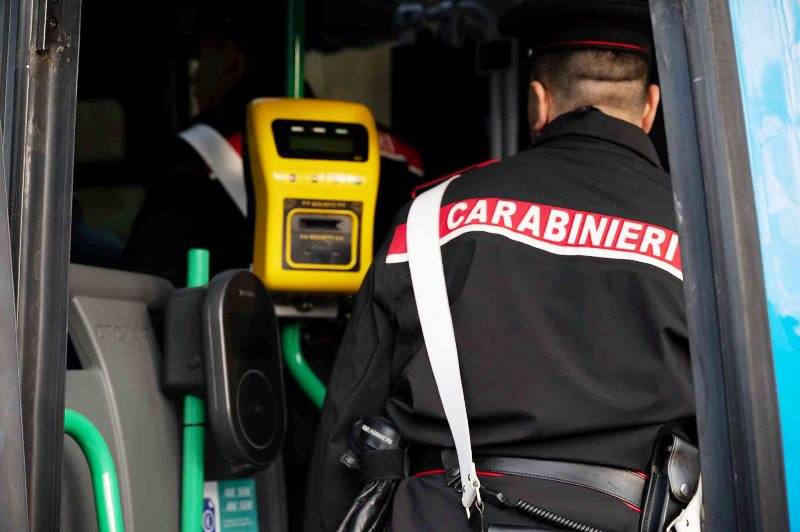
(579, 78)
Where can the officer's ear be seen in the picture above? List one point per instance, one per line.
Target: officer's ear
(540, 105)
(651, 107)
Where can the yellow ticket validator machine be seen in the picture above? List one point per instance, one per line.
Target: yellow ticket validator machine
(315, 166)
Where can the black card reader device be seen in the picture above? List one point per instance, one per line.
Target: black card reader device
(222, 342)
(244, 383)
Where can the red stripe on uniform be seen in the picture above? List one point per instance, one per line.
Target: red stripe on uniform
(235, 141)
(430, 184)
(395, 149)
(398, 245)
(556, 230)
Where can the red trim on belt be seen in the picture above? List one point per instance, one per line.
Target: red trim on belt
(493, 474)
(632, 507)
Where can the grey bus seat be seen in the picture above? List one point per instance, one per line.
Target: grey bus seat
(118, 390)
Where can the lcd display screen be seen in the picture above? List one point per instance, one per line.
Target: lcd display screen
(334, 141)
(320, 144)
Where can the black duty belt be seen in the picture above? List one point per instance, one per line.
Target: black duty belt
(626, 486)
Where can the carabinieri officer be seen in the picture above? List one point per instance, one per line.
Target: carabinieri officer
(564, 276)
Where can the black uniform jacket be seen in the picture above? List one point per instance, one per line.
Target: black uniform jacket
(565, 285)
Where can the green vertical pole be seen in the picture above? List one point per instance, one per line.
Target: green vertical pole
(295, 47)
(197, 270)
(295, 78)
(194, 419)
(101, 467)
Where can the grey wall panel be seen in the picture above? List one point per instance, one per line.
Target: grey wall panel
(118, 389)
(114, 284)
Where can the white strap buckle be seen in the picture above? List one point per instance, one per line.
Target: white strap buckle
(473, 492)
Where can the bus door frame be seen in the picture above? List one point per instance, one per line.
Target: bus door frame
(41, 123)
(13, 493)
(737, 413)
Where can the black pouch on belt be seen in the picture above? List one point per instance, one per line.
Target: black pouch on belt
(674, 477)
(377, 451)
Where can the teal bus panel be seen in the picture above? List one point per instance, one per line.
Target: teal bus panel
(767, 39)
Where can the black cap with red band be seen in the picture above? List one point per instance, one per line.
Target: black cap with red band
(555, 25)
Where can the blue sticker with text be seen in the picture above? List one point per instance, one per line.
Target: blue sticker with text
(230, 506)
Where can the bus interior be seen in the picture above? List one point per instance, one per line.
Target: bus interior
(440, 81)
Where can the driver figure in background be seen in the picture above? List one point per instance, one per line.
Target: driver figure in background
(564, 276)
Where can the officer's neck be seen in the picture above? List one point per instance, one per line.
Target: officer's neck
(622, 114)
(559, 121)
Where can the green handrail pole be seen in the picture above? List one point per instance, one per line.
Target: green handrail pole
(295, 47)
(197, 269)
(295, 78)
(101, 466)
(193, 465)
(194, 419)
(297, 365)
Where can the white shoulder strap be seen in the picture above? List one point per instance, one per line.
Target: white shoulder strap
(223, 160)
(430, 292)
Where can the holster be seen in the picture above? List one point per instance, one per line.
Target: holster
(378, 451)
(380, 471)
(674, 477)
